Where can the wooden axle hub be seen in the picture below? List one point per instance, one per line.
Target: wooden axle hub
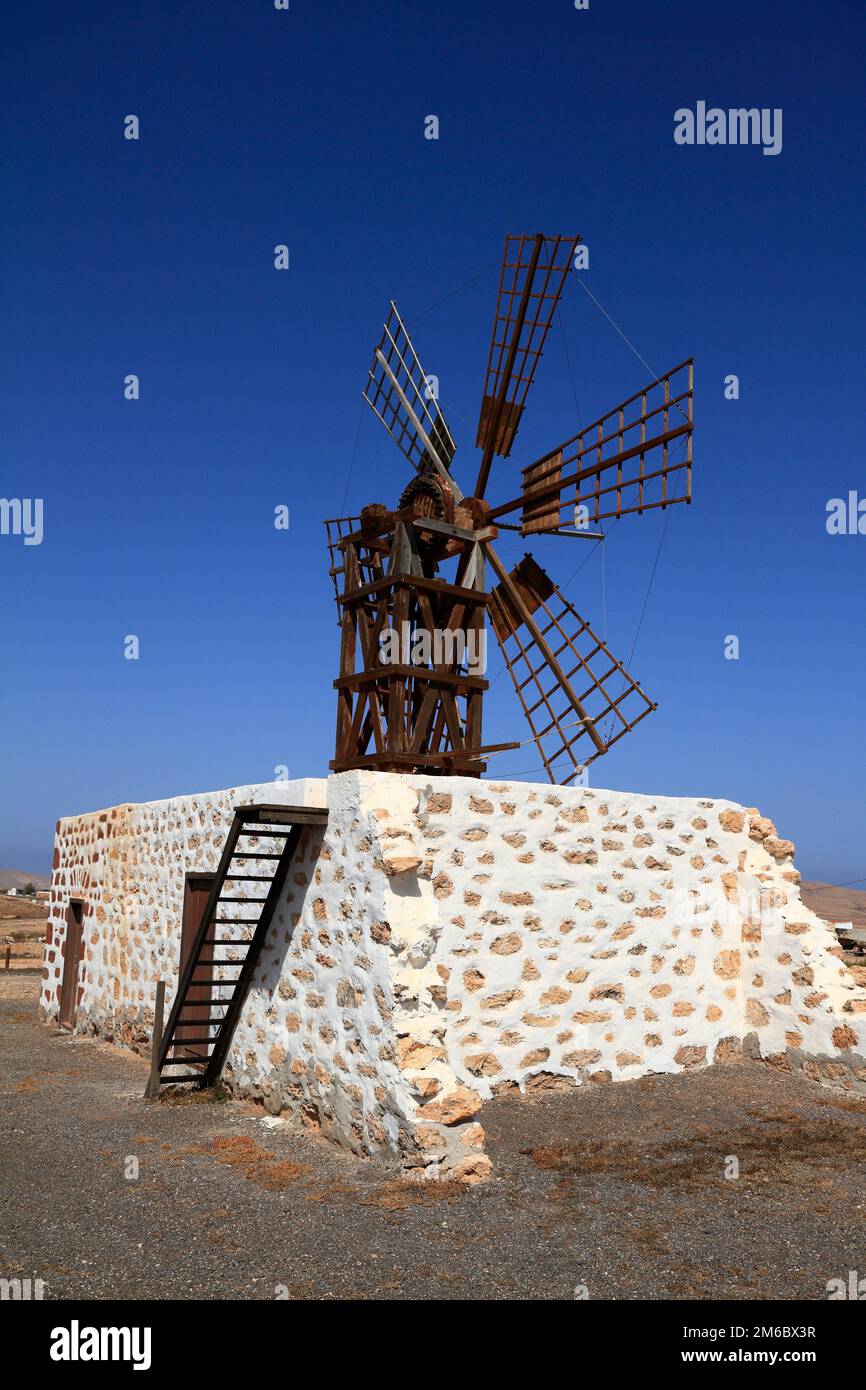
(448, 526)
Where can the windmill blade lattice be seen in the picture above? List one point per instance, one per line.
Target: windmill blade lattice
(399, 392)
(610, 698)
(530, 285)
(622, 463)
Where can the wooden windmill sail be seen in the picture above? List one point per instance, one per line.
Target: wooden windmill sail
(417, 575)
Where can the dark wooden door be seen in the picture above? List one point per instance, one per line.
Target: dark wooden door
(191, 1022)
(71, 962)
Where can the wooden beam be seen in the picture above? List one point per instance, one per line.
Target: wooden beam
(434, 675)
(405, 581)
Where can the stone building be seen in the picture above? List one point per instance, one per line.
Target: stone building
(441, 941)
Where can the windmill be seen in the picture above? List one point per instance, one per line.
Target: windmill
(411, 582)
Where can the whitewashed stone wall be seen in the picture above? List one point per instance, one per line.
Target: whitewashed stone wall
(445, 940)
(316, 1035)
(128, 864)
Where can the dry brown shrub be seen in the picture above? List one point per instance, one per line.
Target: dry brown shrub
(257, 1164)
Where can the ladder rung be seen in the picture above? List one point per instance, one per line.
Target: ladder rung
(224, 960)
(250, 878)
(190, 1042)
(235, 965)
(177, 1080)
(260, 834)
(206, 964)
(248, 854)
(240, 901)
(236, 921)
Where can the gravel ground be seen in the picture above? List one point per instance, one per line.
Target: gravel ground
(618, 1188)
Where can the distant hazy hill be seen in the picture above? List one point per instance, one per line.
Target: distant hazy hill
(14, 878)
(835, 904)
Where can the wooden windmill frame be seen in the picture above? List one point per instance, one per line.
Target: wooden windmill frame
(578, 699)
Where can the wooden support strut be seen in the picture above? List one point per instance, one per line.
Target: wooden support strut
(152, 1088)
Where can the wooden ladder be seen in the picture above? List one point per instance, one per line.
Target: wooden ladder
(266, 838)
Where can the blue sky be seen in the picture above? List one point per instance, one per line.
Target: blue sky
(306, 127)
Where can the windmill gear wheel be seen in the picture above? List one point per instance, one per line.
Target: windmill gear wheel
(429, 495)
